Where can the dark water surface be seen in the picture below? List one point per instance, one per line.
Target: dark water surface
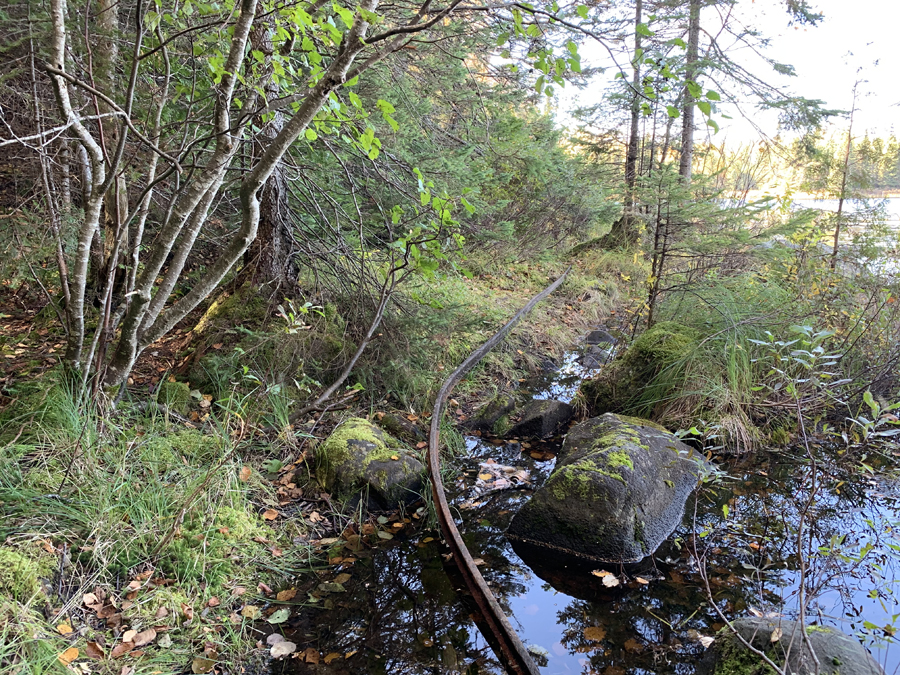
(401, 614)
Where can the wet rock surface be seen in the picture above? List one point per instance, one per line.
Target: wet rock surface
(360, 457)
(618, 491)
(782, 641)
(542, 418)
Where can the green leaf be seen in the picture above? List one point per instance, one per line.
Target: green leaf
(310, 135)
(705, 107)
(582, 11)
(642, 29)
(672, 111)
(345, 14)
(353, 82)
(725, 510)
(713, 95)
(539, 84)
(280, 615)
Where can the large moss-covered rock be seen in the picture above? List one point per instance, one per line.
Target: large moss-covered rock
(617, 492)
(359, 456)
(645, 373)
(837, 653)
(541, 419)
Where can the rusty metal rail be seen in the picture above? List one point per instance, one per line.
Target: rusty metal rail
(512, 652)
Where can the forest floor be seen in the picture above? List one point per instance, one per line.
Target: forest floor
(140, 543)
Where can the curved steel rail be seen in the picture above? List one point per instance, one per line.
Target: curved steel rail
(513, 654)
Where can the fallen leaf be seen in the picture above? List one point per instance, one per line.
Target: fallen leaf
(601, 573)
(64, 629)
(776, 635)
(188, 611)
(270, 514)
(331, 587)
(641, 580)
(395, 457)
(264, 588)
(421, 444)
(128, 635)
(610, 581)
(202, 665)
(127, 670)
(282, 648)
(145, 637)
(274, 638)
(93, 651)
(92, 601)
(121, 649)
(280, 615)
(311, 656)
(134, 585)
(68, 656)
(245, 473)
(706, 641)
(238, 591)
(165, 641)
(331, 657)
(250, 612)
(594, 633)
(485, 476)
(276, 552)
(633, 645)
(342, 578)
(285, 596)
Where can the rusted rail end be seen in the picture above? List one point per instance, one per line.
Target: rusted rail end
(513, 654)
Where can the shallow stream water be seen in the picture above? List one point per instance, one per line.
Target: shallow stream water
(400, 612)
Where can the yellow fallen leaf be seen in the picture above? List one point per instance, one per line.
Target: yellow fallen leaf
(64, 629)
(245, 473)
(331, 657)
(250, 612)
(68, 656)
(594, 633)
(128, 635)
(641, 580)
(270, 514)
(601, 573)
(485, 476)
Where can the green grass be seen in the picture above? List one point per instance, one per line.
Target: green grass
(135, 494)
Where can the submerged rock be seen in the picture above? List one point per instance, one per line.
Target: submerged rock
(599, 337)
(617, 492)
(782, 641)
(359, 455)
(542, 418)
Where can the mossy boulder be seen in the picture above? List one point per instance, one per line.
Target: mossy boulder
(21, 573)
(359, 456)
(541, 419)
(837, 653)
(493, 416)
(645, 374)
(617, 492)
(176, 396)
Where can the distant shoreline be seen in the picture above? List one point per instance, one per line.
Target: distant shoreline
(753, 195)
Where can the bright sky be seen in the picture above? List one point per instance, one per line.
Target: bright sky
(854, 34)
